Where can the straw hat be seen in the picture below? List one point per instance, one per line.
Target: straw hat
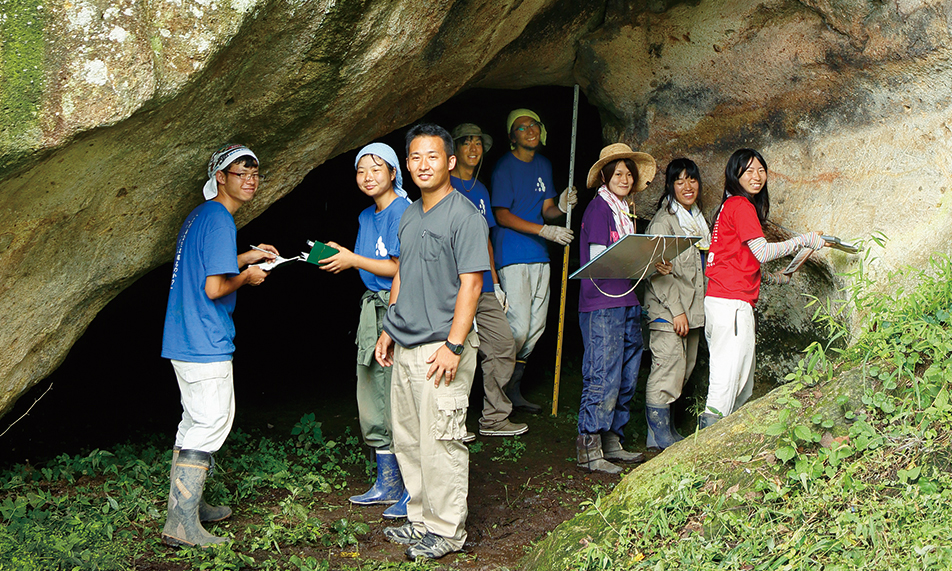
(643, 161)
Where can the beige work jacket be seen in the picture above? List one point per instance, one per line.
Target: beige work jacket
(681, 291)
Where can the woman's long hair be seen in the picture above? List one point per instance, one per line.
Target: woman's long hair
(736, 165)
(671, 174)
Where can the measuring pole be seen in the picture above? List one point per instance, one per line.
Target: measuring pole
(565, 263)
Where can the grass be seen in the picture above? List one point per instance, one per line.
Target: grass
(103, 510)
(845, 480)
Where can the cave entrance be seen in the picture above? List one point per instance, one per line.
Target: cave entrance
(295, 349)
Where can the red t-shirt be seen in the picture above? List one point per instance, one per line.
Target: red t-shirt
(733, 271)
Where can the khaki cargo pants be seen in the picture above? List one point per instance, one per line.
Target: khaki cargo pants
(428, 428)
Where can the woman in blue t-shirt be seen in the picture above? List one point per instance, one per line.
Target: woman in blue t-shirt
(375, 257)
(609, 312)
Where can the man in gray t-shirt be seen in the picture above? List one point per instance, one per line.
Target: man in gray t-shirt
(428, 339)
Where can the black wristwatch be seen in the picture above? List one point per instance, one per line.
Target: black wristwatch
(456, 349)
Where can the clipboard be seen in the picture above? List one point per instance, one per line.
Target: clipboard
(634, 256)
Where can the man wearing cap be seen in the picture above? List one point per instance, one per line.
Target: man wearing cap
(199, 336)
(523, 201)
(496, 346)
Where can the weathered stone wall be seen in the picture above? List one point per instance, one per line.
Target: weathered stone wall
(110, 109)
(108, 122)
(847, 101)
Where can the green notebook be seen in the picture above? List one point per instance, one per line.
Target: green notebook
(320, 251)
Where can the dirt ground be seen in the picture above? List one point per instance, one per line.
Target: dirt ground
(520, 489)
(512, 504)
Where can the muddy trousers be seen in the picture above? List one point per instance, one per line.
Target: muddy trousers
(498, 353)
(429, 424)
(672, 362)
(610, 364)
(729, 330)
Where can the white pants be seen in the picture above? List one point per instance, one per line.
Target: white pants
(208, 404)
(729, 330)
(527, 288)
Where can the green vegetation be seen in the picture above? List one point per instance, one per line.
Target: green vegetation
(104, 510)
(22, 66)
(845, 479)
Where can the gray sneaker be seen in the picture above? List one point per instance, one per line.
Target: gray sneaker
(432, 546)
(505, 428)
(469, 437)
(406, 534)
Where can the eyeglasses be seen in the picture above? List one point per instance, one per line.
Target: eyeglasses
(529, 125)
(245, 177)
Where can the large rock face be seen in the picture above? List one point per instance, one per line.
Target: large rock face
(110, 109)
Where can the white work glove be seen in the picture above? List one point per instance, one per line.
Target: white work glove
(569, 197)
(557, 234)
(813, 240)
(501, 297)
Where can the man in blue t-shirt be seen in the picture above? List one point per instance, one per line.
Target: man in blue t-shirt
(199, 336)
(496, 346)
(523, 201)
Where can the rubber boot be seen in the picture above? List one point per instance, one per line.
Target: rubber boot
(399, 509)
(612, 450)
(707, 419)
(590, 455)
(389, 485)
(182, 526)
(515, 394)
(661, 433)
(206, 512)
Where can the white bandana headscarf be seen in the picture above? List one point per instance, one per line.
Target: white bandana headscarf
(220, 160)
(620, 212)
(692, 222)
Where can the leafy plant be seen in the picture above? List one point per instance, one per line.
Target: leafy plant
(510, 449)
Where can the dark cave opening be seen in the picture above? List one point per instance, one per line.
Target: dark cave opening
(295, 333)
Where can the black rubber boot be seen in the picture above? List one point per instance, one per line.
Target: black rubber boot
(515, 394)
(590, 455)
(182, 526)
(206, 512)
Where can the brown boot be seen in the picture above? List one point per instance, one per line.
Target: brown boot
(590, 455)
(611, 448)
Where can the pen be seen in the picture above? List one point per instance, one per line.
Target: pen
(269, 252)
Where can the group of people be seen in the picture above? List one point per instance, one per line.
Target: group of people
(463, 273)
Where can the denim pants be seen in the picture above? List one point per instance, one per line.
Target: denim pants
(613, 348)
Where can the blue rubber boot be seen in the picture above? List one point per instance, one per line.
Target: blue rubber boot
(399, 509)
(707, 419)
(389, 485)
(660, 433)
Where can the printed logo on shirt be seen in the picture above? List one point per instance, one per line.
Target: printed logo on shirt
(540, 186)
(715, 234)
(481, 207)
(381, 248)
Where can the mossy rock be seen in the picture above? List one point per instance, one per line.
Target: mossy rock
(731, 456)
